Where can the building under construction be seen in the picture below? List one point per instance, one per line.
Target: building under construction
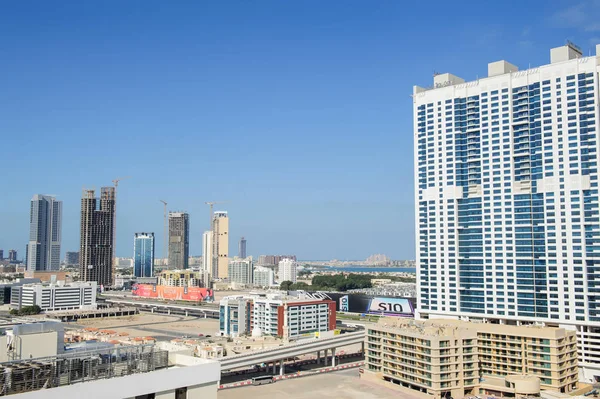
(179, 240)
(97, 232)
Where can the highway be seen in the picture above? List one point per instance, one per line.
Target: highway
(187, 310)
(290, 351)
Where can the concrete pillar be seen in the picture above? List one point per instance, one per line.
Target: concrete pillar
(281, 367)
(186, 313)
(362, 347)
(169, 311)
(332, 357)
(318, 357)
(325, 358)
(274, 366)
(152, 310)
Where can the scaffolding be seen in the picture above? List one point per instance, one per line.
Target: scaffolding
(71, 368)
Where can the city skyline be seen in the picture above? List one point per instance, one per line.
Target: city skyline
(329, 83)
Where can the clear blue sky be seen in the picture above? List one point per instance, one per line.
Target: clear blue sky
(297, 112)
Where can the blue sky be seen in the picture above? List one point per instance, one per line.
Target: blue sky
(297, 113)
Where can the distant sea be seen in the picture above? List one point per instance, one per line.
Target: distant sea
(363, 269)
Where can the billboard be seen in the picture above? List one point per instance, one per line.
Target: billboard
(365, 304)
(195, 294)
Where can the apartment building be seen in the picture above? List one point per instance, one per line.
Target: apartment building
(287, 270)
(235, 316)
(506, 194)
(276, 316)
(263, 277)
(55, 296)
(241, 270)
(458, 358)
(292, 319)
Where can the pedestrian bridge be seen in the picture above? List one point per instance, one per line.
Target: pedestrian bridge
(281, 353)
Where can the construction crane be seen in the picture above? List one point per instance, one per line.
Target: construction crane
(117, 180)
(209, 203)
(114, 243)
(165, 254)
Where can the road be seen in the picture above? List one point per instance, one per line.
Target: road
(338, 385)
(290, 368)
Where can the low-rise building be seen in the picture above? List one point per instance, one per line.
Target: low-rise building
(235, 316)
(457, 358)
(59, 296)
(292, 318)
(119, 372)
(263, 277)
(49, 276)
(31, 340)
(276, 316)
(180, 278)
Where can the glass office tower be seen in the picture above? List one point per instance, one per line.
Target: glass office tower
(143, 254)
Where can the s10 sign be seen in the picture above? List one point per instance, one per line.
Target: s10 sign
(390, 306)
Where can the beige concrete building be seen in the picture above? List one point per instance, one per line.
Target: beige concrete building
(180, 278)
(49, 276)
(455, 358)
(220, 245)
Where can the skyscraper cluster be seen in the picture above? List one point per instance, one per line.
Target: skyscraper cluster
(507, 204)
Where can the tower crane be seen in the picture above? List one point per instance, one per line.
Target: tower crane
(211, 204)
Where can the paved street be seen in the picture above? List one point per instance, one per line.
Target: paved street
(338, 385)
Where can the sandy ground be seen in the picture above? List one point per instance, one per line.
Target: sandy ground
(162, 327)
(339, 385)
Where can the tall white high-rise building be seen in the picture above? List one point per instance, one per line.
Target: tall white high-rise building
(207, 253)
(287, 270)
(45, 223)
(508, 217)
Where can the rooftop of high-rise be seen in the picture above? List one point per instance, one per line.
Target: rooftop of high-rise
(558, 55)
